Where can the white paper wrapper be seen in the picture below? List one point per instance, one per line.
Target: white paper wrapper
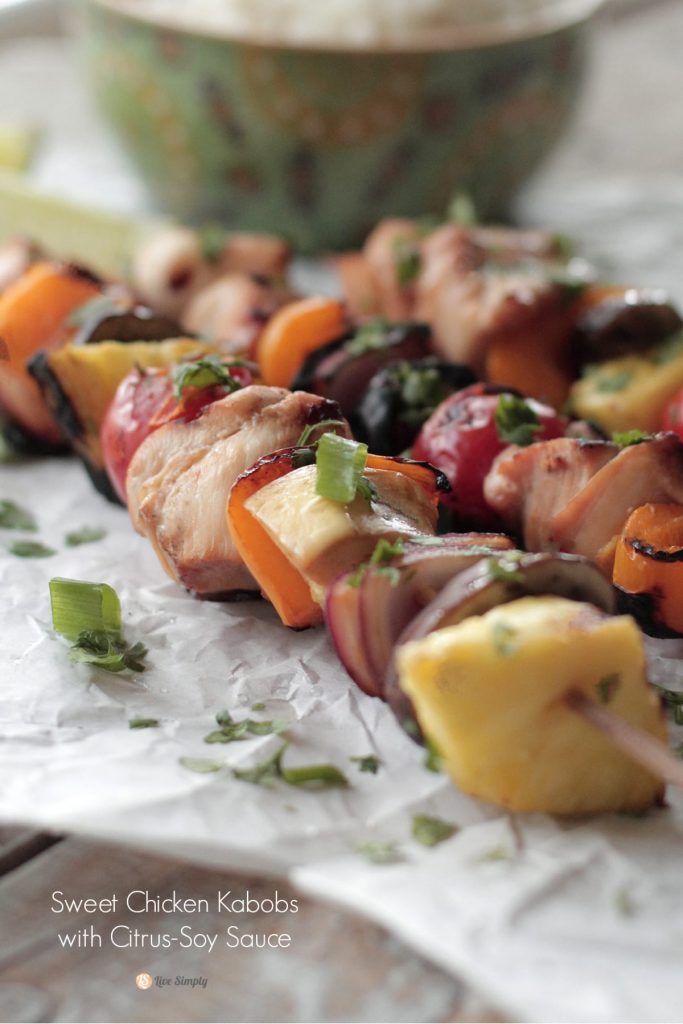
(564, 922)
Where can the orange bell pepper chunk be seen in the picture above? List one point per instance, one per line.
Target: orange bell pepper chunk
(295, 331)
(649, 560)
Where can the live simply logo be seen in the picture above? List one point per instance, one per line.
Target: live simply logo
(145, 981)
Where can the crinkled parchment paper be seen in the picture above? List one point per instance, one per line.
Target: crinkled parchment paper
(563, 922)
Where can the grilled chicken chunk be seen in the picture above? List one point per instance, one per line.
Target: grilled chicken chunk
(528, 486)
(575, 496)
(180, 478)
(233, 311)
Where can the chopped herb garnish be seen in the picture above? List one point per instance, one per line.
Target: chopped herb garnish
(107, 651)
(614, 382)
(379, 851)
(503, 638)
(674, 700)
(407, 261)
(202, 765)
(203, 373)
(607, 687)
(410, 726)
(86, 535)
(30, 549)
(431, 831)
(516, 422)
(433, 758)
(212, 241)
(367, 763)
(384, 552)
(307, 432)
(461, 210)
(14, 517)
(143, 723)
(495, 854)
(9, 454)
(89, 614)
(312, 776)
(94, 309)
(259, 706)
(367, 489)
(265, 773)
(623, 902)
(505, 568)
(340, 463)
(630, 437)
(368, 338)
(230, 731)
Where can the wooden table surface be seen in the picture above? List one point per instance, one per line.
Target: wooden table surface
(339, 967)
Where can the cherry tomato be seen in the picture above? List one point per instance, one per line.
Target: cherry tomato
(462, 439)
(143, 402)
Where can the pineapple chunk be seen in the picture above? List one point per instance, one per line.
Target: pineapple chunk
(322, 538)
(630, 393)
(488, 692)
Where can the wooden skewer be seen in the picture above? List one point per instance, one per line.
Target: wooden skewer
(638, 745)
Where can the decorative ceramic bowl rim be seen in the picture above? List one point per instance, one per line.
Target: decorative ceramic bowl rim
(565, 14)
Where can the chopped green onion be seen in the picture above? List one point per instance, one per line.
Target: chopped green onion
(433, 757)
(407, 261)
(265, 773)
(78, 606)
(340, 463)
(504, 568)
(431, 831)
(372, 336)
(516, 422)
(203, 373)
(259, 706)
(14, 517)
(86, 535)
(143, 723)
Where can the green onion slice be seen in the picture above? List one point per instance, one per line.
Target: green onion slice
(340, 464)
(78, 607)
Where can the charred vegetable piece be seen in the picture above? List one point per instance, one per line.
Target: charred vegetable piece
(367, 609)
(296, 541)
(342, 369)
(493, 695)
(111, 320)
(648, 568)
(181, 477)
(34, 315)
(622, 324)
(293, 333)
(465, 434)
(146, 399)
(79, 382)
(399, 399)
(496, 580)
(631, 392)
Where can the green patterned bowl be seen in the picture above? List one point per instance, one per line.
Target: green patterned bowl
(320, 144)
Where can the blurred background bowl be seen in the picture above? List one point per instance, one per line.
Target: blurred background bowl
(318, 143)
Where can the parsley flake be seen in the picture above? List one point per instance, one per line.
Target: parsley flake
(86, 535)
(203, 373)
(143, 723)
(379, 851)
(607, 687)
(516, 422)
(431, 831)
(108, 651)
(30, 549)
(14, 517)
(433, 757)
(367, 763)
